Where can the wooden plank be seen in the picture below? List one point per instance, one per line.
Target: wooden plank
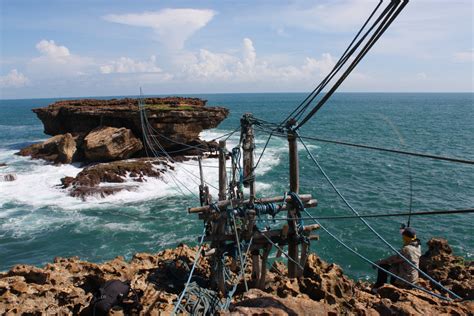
(240, 202)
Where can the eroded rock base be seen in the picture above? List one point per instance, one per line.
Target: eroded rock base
(65, 287)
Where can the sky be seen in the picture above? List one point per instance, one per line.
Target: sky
(77, 48)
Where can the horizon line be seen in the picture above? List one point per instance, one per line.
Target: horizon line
(219, 93)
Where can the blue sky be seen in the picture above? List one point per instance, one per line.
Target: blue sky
(112, 47)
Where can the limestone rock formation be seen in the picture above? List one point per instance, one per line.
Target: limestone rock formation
(106, 130)
(66, 287)
(180, 119)
(110, 143)
(58, 149)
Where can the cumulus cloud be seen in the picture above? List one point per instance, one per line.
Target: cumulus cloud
(246, 67)
(128, 65)
(172, 26)
(50, 49)
(13, 79)
(57, 61)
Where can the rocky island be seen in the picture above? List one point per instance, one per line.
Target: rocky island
(66, 287)
(107, 137)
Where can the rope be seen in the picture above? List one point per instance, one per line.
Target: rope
(373, 263)
(169, 157)
(175, 180)
(281, 250)
(147, 143)
(370, 227)
(190, 273)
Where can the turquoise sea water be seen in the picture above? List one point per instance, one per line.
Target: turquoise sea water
(38, 221)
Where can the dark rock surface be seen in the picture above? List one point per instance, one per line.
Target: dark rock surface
(89, 181)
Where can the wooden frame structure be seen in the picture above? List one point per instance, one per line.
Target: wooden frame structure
(232, 221)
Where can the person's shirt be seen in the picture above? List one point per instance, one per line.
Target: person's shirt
(412, 252)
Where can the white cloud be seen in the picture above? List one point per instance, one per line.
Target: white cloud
(50, 49)
(218, 67)
(172, 26)
(467, 56)
(57, 61)
(128, 65)
(13, 79)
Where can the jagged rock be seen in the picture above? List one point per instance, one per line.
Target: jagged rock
(257, 302)
(58, 149)
(8, 177)
(453, 271)
(88, 181)
(323, 281)
(110, 143)
(66, 287)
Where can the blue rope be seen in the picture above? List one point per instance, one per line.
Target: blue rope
(373, 263)
(369, 226)
(190, 273)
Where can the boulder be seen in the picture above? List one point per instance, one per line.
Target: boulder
(452, 271)
(8, 177)
(58, 149)
(2, 164)
(110, 143)
(90, 181)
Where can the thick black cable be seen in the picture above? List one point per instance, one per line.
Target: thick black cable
(390, 150)
(340, 61)
(394, 12)
(395, 151)
(401, 214)
(345, 59)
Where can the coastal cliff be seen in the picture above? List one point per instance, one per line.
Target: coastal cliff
(91, 130)
(66, 287)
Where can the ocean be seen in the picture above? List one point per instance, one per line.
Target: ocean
(39, 221)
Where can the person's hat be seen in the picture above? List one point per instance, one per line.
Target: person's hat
(409, 232)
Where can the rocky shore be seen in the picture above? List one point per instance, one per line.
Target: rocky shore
(106, 136)
(66, 287)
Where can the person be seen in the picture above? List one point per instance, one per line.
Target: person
(397, 265)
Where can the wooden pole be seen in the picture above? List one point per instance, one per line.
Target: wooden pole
(222, 171)
(222, 204)
(248, 145)
(294, 187)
